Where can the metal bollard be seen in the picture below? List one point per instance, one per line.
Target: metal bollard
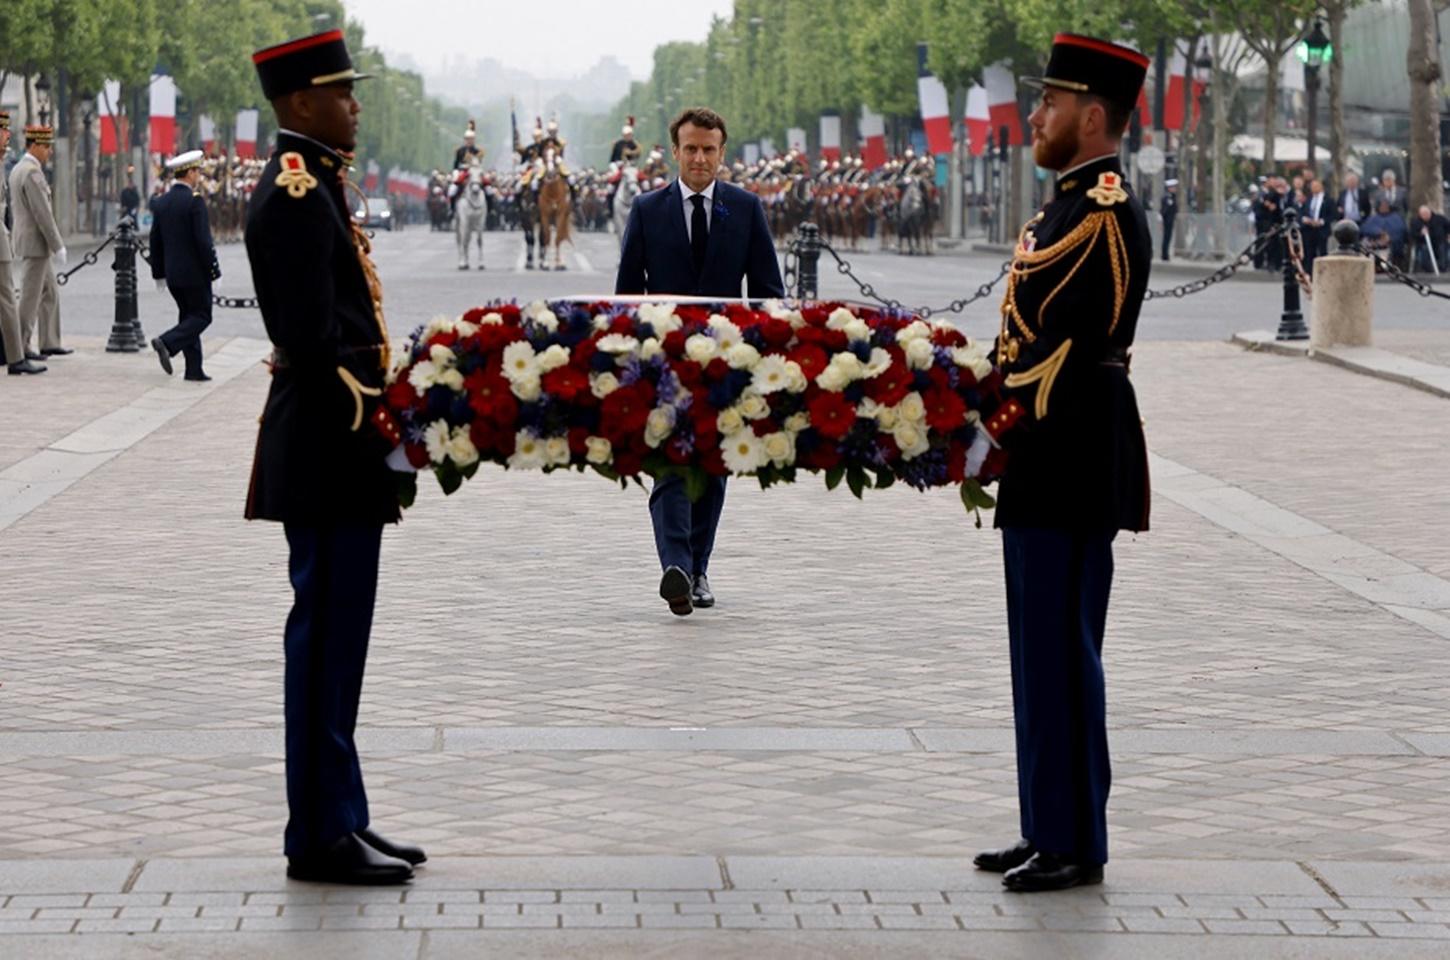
(125, 329)
(808, 254)
(1291, 322)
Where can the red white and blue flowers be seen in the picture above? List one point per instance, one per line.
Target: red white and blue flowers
(860, 395)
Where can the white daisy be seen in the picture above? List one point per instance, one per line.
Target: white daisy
(436, 438)
(771, 374)
(743, 452)
(528, 452)
(520, 362)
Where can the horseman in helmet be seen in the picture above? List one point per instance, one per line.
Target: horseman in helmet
(470, 152)
(626, 149)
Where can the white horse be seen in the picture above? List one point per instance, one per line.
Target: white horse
(470, 216)
(624, 197)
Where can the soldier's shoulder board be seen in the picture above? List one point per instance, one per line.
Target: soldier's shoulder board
(1109, 190)
(294, 176)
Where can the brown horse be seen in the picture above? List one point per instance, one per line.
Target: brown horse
(554, 212)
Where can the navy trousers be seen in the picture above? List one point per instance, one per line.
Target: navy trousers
(193, 305)
(685, 531)
(334, 572)
(1058, 583)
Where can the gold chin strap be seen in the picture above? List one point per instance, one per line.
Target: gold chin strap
(364, 248)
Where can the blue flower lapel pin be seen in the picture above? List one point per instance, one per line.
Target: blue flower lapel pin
(722, 211)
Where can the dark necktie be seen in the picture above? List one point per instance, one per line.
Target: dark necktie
(699, 232)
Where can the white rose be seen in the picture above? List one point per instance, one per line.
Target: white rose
(726, 333)
(886, 419)
(973, 357)
(600, 450)
(438, 324)
(729, 421)
(754, 407)
(920, 354)
(423, 375)
(556, 451)
(600, 322)
(701, 348)
(491, 319)
(743, 452)
(540, 314)
(911, 438)
(833, 378)
(797, 422)
(650, 349)
(659, 425)
(436, 438)
(912, 408)
(850, 365)
(442, 356)
(742, 356)
(916, 330)
(858, 331)
(879, 363)
(553, 358)
(464, 329)
(603, 384)
(772, 373)
(780, 448)
(796, 381)
(840, 319)
(528, 452)
(461, 449)
(520, 361)
(527, 390)
(661, 316)
(452, 379)
(618, 343)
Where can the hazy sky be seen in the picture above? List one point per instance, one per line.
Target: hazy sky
(547, 37)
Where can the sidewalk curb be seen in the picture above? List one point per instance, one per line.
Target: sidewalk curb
(1371, 361)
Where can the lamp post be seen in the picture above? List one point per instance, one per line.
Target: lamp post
(1314, 51)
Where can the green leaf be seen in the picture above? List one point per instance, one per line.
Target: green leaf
(695, 481)
(407, 488)
(448, 477)
(471, 469)
(884, 479)
(834, 476)
(980, 497)
(856, 480)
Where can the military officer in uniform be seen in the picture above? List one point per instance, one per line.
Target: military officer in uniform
(11, 336)
(1168, 208)
(470, 152)
(38, 245)
(183, 261)
(324, 451)
(1076, 468)
(626, 149)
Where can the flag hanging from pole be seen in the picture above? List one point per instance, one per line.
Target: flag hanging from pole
(163, 114)
(979, 119)
(873, 139)
(108, 103)
(246, 134)
(831, 136)
(1173, 98)
(1002, 103)
(208, 136)
(935, 116)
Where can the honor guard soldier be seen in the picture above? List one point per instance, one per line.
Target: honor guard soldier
(470, 153)
(323, 457)
(1076, 467)
(626, 149)
(12, 338)
(183, 261)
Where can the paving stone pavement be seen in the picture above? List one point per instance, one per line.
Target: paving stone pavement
(820, 753)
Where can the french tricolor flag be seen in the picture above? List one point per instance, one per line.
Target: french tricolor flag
(831, 136)
(1002, 109)
(935, 116)
(370, 181)
(107, 106)
(208, 136)
(873, 139)
(979, 119)
(246, 134)
(1173, 97)
(163, 114)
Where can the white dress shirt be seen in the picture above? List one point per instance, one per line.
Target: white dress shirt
(709, 194)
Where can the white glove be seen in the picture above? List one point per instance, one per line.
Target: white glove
(977, 452)
(61, 257)
(398, 461)
(161, 284)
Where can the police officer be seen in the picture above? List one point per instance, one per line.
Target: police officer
(1168, 208)
(323, 454)
(183, 260)
(1076, 469)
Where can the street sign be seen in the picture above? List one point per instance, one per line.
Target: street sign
(1151, 160)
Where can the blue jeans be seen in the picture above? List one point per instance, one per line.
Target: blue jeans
(685, 531)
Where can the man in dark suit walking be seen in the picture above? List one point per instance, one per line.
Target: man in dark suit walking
(183, 260)
(1320, 215)
(697, 237)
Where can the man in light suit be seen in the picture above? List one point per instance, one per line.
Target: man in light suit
(183, 260)
(697, 237)
(11, 337)
(1353, 201)
(1392, 193)
(37, 243)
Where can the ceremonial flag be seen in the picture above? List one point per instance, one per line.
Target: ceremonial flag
(246, 134)
(163, 114)
(370, 182)
(208, 136)
(1173, 99)
(979, 119)
(752, 154)
(795, 139)
(935, 117)
(831, 136)
(873, 139)
(107, 105)
(1002, 103)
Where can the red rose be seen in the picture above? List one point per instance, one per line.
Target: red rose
(689, 374)
(712, 461)
(566, 383)
(940, 377)
(674, 343)
(583, 353)
(624, 323)
(401, 395)
(627, 463)
(891, 386)
(776, 333)
(945, 410)
(417, 455)
(765, 427)
(832, 414)
(949, 338)
(823, 456)
(957, 462)
(490, 438)
(577, 438)
(716, 370)
(692, 315)
(811, 358)
(624, 412)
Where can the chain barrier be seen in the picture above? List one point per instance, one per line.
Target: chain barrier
(89, 260)
(234, 303)
(1400, 276)
(868, 291)
(1246, 257)
(1294, 247)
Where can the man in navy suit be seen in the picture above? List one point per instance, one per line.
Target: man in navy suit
(697, 237)
(183, 260)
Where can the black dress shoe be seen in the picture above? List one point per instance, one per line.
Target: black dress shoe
(57, 352)
(1048, 872)
(198, 377)
(700, 594)
(398, 851)
(675, 588)
(1008, 858)
(25, 366)
(32, 355)
(349, 860)
(162, 354)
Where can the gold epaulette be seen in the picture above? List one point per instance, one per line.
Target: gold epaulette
(294, 176)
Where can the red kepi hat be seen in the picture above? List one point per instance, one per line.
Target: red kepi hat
(314, 61)
(1087, 65)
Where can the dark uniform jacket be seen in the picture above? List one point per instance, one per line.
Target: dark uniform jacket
(181, 246)
(324, 436)
(1076, 456)
(466, 155)
(624, 149)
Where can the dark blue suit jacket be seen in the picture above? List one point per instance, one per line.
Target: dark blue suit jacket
(181, 245)
(656, 250)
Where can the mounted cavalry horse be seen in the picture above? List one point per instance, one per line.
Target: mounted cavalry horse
(470, 215)
(625, 194)
(554, 211)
